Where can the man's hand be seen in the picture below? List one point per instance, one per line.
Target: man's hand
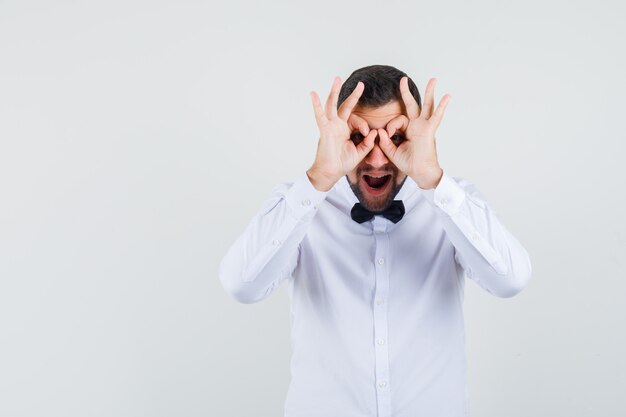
(417, 155)
(336, 153)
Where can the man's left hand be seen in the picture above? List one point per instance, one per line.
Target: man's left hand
(416, 156)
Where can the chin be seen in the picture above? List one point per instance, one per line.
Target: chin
(376, 200)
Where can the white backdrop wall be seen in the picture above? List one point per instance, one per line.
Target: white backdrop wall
(139, 138)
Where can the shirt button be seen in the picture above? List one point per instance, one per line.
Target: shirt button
(380, 301)
(382, 384)
(381, 261)
(306, 202)
(381, 342)
(276, 242)
(475, 236)
(444, 202)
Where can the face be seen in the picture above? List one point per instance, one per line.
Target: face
(376, 181)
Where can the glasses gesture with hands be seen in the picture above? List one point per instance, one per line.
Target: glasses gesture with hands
(417, 155)
(336, 153)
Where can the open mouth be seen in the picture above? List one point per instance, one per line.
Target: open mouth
(376, 184)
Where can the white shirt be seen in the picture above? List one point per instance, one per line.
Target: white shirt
(376, 308)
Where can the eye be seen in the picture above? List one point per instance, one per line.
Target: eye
(356, 137)
(397, 138)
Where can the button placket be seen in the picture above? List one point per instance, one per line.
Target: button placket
(381, 352)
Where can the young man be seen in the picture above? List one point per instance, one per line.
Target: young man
(375, 242)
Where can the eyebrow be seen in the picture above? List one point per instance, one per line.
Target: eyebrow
(358, 131)
(381, 116)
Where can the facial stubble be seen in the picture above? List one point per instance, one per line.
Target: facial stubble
(381, 205)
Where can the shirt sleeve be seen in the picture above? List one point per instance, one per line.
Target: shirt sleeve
(488, 253)
(267, 252)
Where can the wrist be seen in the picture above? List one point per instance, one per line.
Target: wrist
(429, 179)
(320, 181)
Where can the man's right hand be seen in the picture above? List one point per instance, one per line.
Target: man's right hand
(337, 154)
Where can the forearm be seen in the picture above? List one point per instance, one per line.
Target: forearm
(267, 251)
(487, 251)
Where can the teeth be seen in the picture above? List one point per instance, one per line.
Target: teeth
(378, 176)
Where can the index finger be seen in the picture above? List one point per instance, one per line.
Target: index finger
(346, 107)
(412, 108)
(355, 121)
(397, 123)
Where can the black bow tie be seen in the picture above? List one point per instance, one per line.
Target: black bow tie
(394, 212)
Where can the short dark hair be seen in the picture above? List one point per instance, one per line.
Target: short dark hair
(382, 85)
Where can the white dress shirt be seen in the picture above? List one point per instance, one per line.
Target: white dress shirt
(376, 308)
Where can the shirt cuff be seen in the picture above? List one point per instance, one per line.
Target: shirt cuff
(302, 197)
(447, 195)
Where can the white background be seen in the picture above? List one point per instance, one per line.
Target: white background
(139, 138)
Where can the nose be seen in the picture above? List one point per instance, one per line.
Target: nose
(376, 157)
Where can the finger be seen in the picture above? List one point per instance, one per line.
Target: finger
(441, 108)
(397, 123)
(386, 144)
(333, 96)
(346, 107)
(357, 122)
(412, 108)
(429, 99)
(317, 108)
(367, 144)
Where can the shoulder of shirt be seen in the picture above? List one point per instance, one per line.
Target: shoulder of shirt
(339, 195)
(468, 187)
(341, 188)
(283, 187)
(472, 192)
(464, 183)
